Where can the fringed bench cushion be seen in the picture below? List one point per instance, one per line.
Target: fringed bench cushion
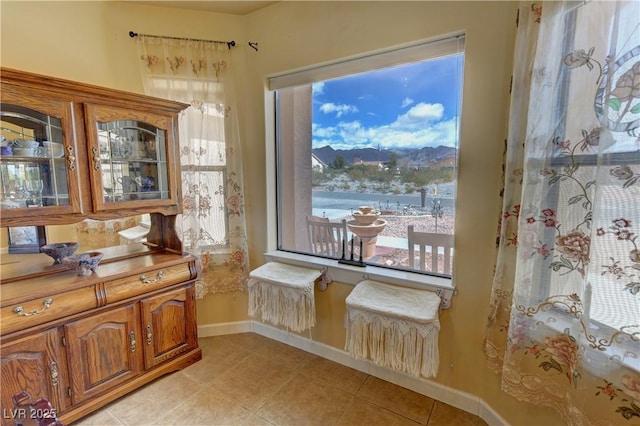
(395, 327)
(283, 295)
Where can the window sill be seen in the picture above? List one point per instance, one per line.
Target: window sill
(353, 274)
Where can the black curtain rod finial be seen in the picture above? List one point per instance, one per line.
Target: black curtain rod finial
(133, 34)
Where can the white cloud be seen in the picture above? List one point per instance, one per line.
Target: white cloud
(419, 116)
(323, 132)
(419, 127)
(430, 134)
(339, 110)
(318, 88)
(406, 102)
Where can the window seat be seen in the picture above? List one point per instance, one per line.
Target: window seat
(395, 327)
(282, 294)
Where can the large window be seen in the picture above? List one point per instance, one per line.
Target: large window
(592, 178)
(367, 157)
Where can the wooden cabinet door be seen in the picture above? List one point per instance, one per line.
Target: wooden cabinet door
(169, 325)
(104, 350)
(40, 173)
(133, 158)
(35, 365)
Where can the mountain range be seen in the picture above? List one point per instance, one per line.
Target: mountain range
(411, 157)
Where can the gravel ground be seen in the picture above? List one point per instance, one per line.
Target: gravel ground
(397, 225)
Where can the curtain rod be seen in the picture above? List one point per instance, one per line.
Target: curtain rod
(229, 44)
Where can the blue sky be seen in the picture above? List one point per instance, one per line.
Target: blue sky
(409, 106)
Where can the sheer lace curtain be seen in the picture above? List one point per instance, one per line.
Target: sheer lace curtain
(564, 328)
(212, 225)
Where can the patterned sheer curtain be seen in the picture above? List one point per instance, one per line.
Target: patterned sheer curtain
(564, 325)
(212, 225)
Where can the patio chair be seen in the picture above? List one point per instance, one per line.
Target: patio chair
(434, 242)
(326, 238)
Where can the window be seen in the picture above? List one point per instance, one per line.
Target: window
(203, 162)
(204, 177)
(592, 177)
(366, 150)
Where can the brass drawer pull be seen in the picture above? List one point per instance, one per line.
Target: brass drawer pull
(146, 280)
(19, 310)
(132, 341)
(149, 335)
(53, 368)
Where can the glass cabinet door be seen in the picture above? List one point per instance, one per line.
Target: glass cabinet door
(130, 157)
(37, 163)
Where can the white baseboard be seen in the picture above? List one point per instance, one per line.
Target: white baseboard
(462, 400)
(220, 329)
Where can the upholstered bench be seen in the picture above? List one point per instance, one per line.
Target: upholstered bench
(283, 294)
(395, 327)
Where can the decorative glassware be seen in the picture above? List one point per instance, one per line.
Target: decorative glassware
(34, 188)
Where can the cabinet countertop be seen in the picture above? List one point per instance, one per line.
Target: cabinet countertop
(24, 276)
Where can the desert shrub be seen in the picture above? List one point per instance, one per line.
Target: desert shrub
(424, 176)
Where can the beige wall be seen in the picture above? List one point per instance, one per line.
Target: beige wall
(89, 42)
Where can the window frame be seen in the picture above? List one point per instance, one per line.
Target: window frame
(443, 285)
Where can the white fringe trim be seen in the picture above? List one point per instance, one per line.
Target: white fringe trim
(394, 343)
(293, 308)
(283, 295)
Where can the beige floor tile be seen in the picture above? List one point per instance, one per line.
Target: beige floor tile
(305, 402)
(206, 370)
(444, 414)
(253, 380)
(256, 367)
(338, 375)
(247, 341)
(288, 356)
(154, 400)
(397, 399)
(361, 412)
(206, 407)
(219, 345)
(218, 357)
(256, 420)
(99, 418)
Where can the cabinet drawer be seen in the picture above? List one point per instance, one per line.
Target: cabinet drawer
(33, 312)
(141, 283)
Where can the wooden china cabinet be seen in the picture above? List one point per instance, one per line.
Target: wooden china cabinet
(71, 152)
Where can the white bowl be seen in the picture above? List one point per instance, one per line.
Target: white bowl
(25, 143)
(83, 263)
(24, 152)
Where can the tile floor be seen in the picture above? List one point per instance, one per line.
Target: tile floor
(248, 379)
